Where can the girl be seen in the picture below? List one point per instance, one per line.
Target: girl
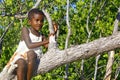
(29, 48)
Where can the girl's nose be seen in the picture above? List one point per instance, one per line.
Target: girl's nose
(39, 22)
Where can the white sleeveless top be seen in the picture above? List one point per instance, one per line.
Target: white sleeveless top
(22, 50)
(22, 47)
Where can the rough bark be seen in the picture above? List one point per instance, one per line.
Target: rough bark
(55, 58)
(78, 52)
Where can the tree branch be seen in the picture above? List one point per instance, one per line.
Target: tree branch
(36, 4)
(49, 21)
(67, 38)
(111, 53)
(52, 42)
(2, 37)
(52, 60)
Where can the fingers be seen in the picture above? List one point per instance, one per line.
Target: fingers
(55, 26)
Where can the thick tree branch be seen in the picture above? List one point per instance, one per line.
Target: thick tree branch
(49, 21)
(51, 59)
(52, 43)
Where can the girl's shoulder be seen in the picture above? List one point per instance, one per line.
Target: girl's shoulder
(24, 33)
(25, 28)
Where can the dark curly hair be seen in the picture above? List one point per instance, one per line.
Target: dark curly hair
(34, 11)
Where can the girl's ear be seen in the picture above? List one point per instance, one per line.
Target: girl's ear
(29, 21)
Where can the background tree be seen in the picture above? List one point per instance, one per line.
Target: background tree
(101, 20)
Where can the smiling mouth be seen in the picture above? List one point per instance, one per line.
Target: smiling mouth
(38, 27)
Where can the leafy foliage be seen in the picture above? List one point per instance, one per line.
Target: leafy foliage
(101, 22)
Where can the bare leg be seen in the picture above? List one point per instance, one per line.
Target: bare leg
(31, 62)
(21, 69)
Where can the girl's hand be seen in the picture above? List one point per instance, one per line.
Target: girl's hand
(46, 41)
(55, 26)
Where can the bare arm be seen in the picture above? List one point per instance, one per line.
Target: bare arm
(29, 43)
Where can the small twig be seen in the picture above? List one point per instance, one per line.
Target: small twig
(117, 71)
(87, 21)
(2, 37)
(68, 25)
(96, 66)
(116, 22)
(21, 16)
(67, 38)
(89, 34)
(36, 4)
(93, 72)
(21, 23)
(114, 4)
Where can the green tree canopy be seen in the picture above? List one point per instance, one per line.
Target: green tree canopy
(84, 18)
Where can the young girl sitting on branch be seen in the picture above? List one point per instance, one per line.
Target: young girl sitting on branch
(29, 48)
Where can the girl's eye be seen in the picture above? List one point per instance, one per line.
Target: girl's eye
(37, 20)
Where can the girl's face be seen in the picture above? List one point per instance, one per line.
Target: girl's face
(37, 21)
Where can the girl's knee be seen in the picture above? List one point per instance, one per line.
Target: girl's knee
(31, 54)
(21, 63)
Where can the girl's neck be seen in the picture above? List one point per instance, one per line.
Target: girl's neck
(35, 32)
